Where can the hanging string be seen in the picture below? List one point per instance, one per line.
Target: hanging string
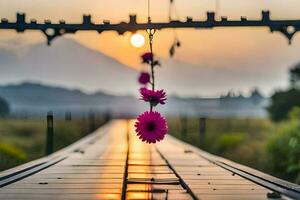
(148, 6)
(173, 10)
(151, 33)
(176, 43)
(217, 9)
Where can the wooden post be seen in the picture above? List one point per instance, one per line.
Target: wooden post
(184, 126)
(68, 116)
(202, 127)
(50, 130)
(107, 117)
(92, 125)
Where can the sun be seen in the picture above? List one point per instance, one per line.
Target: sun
(137, 40)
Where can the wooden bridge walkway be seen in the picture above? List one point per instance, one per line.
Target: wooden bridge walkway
(113, 164)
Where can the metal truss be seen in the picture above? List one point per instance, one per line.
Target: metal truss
(52, 30)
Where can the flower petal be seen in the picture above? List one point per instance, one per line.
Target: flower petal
(151, 127)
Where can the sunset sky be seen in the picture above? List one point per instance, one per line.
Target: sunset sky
(255, 51)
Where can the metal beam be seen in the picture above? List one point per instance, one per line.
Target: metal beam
(52, 30)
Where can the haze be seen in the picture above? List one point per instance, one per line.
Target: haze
(251, 57)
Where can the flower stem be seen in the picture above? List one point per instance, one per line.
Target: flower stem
(151, 33)
(152, 73)
(152, 61)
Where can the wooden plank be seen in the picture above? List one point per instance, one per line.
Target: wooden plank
(166, 170)
(204, 177)
(65, 186)
(110, 196)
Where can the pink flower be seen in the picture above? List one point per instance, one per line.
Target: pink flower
(153, 97)
(147, 57)
(151, 127)
(144, 78)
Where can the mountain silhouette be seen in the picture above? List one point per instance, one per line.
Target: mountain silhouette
(66, 63)
(35, 99)
(70, 64)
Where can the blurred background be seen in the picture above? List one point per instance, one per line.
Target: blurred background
(233, 92)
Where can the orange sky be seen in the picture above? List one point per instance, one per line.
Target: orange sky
(203, 44)
(224, 47)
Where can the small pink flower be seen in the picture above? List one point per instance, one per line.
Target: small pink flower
(144, 78)
(147, 57)
(153, 97)
(151, 127)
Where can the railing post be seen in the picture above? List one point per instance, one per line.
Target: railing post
(50, 130)
(202, 128)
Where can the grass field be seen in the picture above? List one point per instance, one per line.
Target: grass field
(24, 140)
(258, 143)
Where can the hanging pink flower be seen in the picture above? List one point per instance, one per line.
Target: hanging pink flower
(151, 127)
(144, 78)
(153, 97)
(147, 57)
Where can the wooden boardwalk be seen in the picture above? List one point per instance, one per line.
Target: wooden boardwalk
(113, 164)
